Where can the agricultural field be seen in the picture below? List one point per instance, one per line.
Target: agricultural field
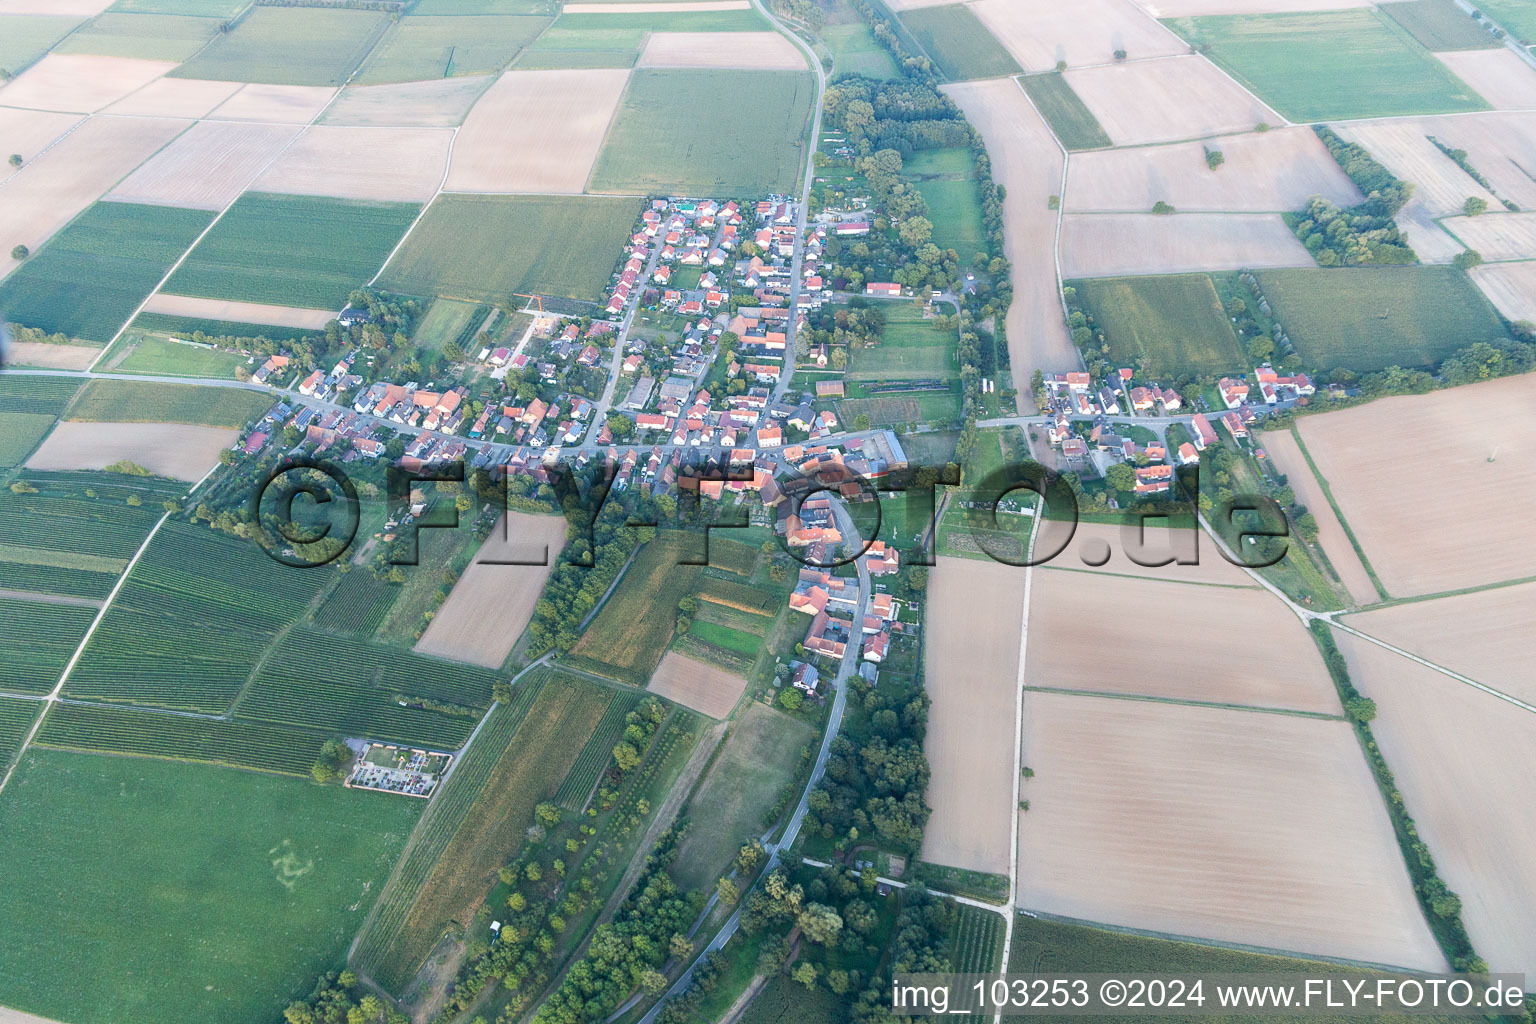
(236, 858)
(1369, 318)
(1498, 145)
(425, 47)
(489, 607)
(1503, 236)
(597, 754)
(975, 612)
(133, 401)
(290, 46)
(761, 51)
(641, 153)
(1295, 849)
(1317, 66)
(175, 97)
(1121, 244)
(147, 353)
(74, 355)
(197, 8)
(357, 605)
(284, 104)
(699, 685)
(1513, 16)
(242, 319)
(570, 111)
(856, 51)
(485, 248)
(1071, 120)
(909, 347)
(976, 940)
(959, 43)
(1166, 100)
(1511, 287)
(1168, 326)
(20, 433)
(39, 639)
(1499, 76)
(745, 781)
(29, 132)
(783, 1001)
(1403, 147)
(1451, 748)
(292, 250)
(24, 38)
(81, 84)
(342, 161)
(1441, 25)
(39, 394)
(1041, 33)
(16, 718)
(421, 104)
(1285, 456)
(176, 450)
(208, 167)
(145, 36)
(633, 628)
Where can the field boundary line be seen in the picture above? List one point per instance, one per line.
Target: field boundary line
(1147, 698)
(1061, 210)
(1154, 579)
(420, 214)
(1322, 482)
(1467, 680)
(613, 115)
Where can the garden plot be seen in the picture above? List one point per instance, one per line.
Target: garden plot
(1027, 162)
(1039, 33)
(699, 685)
(175, 97)
(1161, 639)
(1459, 758)
(176, 450)
(1501, 146)
(80, 84)
(238, 312)
(1285, 456)
(1404, 148)
(1238, 826)
(758, 51)
(28, 132)
(48, 192)
(536, 131)
(208, 167)
(395, 164)
(971, 659)
(491, 604)
(1167, 100)
(1123, 244)
(1511, 287)
(1498, 236)
(1463, 443)
(417, 104)
(281, 104)
(1263, 172)
(1499, 76)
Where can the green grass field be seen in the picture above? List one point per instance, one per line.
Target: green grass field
(290, 46)
(1516, 17)
(447, 320)
(631, 632)
(956, 215)
(759, 759)
(910, 348)
(756, 142)
(166, 357)
(1441, 25)
(293, 250)
(136, 401)
(959, 43)
(244, 886)
(1369, 318)
(26, 37)
(222, 9)
(20, 433)
(145, 36)
(856, 51)
(1331, 64)
(485, 248)
(90, 277)
(1066, 113)
(1169, 325)
(419, 48)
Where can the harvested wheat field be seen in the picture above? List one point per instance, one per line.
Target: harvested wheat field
(705, 688)
(176, 450)
(1499, 76)
(80, 85)
(1511, 287)
(491, 604)
(1196, 8)
(1125, 244)
(1155, 638)
(175, 97)
(1285, 455)
(1041, 32)
(1090, 541)
(280, 104)
(396, 164)
(1462, 761)
(238, 312)
(756, 51)
(1239, 826)
(415, 104)
(971, 664)
(1427, 238)
(29, 132)
(1264, 172)
(536, 131)
(54, 357)
(1497, 235)
(1027, 161)
(47, 193)
(1470, 523)
(1167, 100)
(1403, 147)
(658, 8)
(1501, 145)
(208, 167)
(1483, 635)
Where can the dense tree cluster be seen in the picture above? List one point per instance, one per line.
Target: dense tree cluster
(1362, 234)
(338, 999)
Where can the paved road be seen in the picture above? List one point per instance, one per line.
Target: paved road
(600, 413)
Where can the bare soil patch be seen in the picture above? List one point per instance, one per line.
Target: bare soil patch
(1041, 32)
(400, 164)
(758, 51)
(971, 660)
(238, 312)
(177, 450)
(1238, 826)
(282, 104)
(10, 1016)
(1460, 758)
(1497, 235)
(705, 688)
(80, 84)
(1027, 161)
(491, 604)
(1167, 100)
(1511, 287)
(1471, 524)
(54, 357)
(1126, 244)
(1404, 148)
(175, 97)
(418, 104)
(1264, 172)
(29, 132)
(208, 167)
(1499, 76)
(566, 111)
(1286, 457)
